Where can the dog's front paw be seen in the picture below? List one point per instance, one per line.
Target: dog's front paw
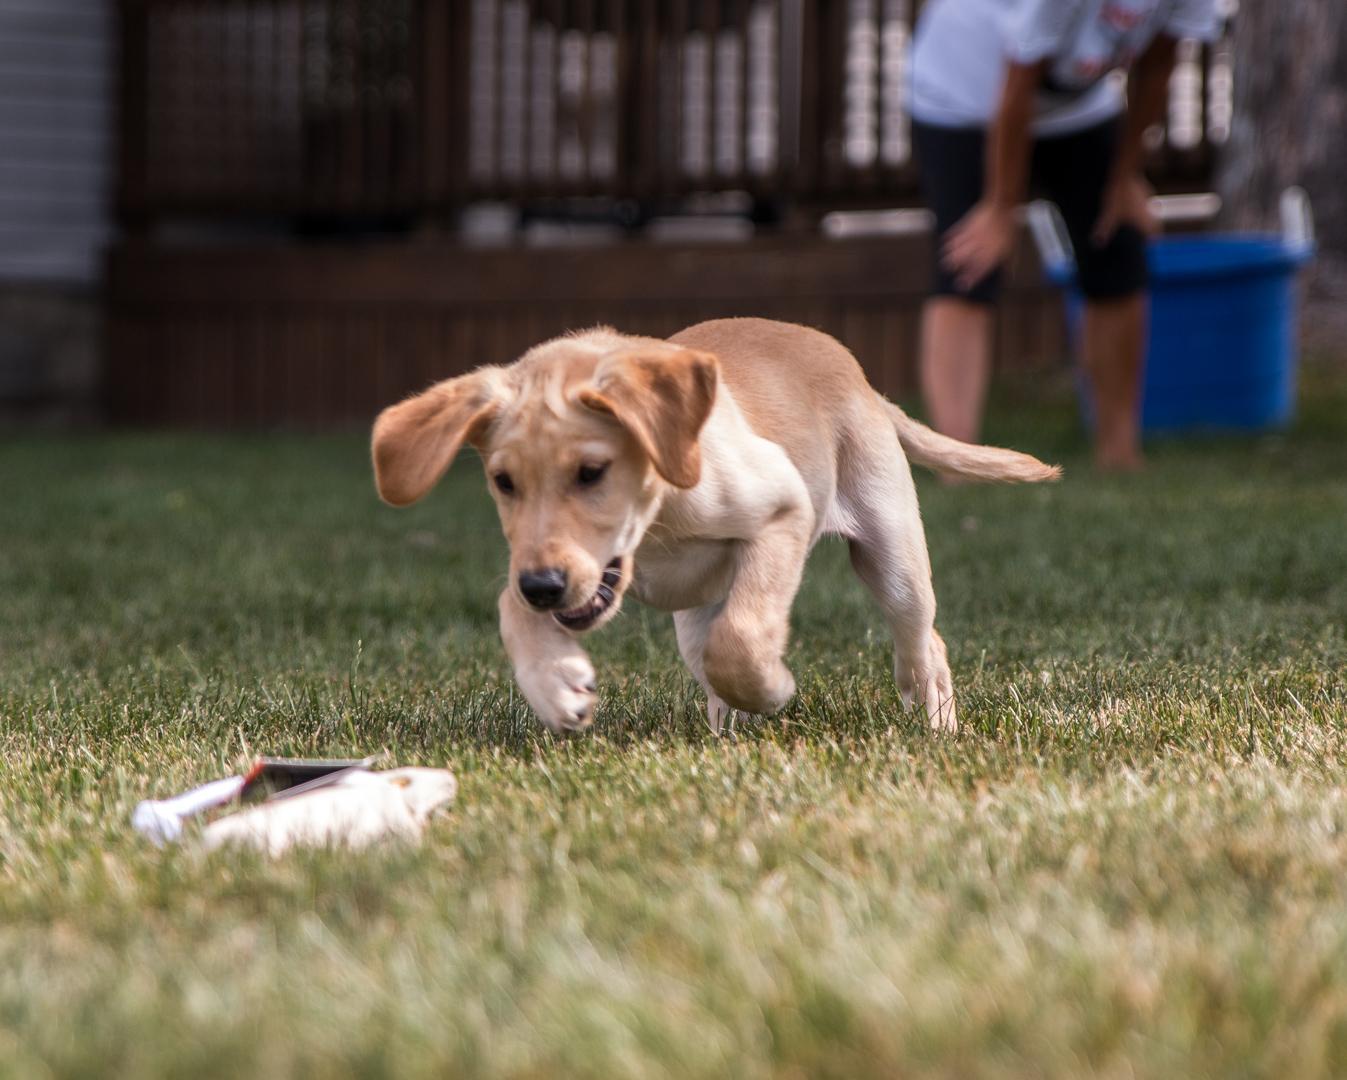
(562, 693)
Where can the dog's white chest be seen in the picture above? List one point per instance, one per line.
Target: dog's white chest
(675, 575)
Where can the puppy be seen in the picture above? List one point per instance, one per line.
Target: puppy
(698, 473)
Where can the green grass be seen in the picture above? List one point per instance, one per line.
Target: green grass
(1132, 861)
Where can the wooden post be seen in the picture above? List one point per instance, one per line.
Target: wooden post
(133, 194)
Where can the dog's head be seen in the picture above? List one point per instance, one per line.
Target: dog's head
(579, 439)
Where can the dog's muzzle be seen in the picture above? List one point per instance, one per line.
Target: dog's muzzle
(590, 612)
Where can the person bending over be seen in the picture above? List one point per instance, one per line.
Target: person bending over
(1012, 93)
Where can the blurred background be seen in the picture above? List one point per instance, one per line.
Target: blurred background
(275, 213)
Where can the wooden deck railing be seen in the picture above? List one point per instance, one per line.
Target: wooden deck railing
(360, 108)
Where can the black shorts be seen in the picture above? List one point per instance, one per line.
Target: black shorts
(1070, 170)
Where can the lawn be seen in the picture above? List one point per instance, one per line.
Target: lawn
(1132, 860)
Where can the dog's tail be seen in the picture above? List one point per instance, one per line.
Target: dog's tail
(926, 447)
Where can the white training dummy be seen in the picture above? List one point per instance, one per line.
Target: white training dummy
(360, 808)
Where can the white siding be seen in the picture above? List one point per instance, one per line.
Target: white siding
(56, 138)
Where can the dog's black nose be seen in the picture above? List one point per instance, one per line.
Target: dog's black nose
(543, 588)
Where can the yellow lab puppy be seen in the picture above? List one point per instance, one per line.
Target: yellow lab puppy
(698, 472)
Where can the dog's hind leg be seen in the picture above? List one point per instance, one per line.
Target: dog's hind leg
(692, 627)
(888, 552)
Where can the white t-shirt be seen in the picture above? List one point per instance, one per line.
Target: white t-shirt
(962, 48)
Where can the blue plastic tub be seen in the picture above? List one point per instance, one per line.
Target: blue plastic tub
(1223, 332)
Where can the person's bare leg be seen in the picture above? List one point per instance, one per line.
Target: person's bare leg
(956, 363)
(1114, 354)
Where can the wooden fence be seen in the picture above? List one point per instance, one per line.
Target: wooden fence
(369, 117)
(326, 334)
(415, 107)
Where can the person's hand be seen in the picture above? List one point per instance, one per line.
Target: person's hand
(1127, 201)
(978, 244)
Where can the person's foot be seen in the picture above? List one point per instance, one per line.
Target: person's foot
(1119, 460)
(1117, 446)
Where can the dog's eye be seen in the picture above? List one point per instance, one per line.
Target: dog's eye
(589, 475)
(504, 483)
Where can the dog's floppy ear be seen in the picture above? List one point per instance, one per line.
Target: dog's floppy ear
(662, 397)
(416, 440)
